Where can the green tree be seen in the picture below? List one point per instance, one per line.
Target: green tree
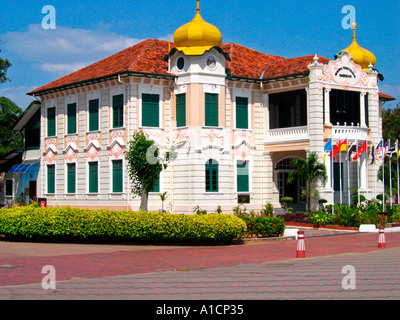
(391, 123)
(9, 114)
(145, 166)
(390, 130)
(309, 171)
(4, 65)
(163, 197)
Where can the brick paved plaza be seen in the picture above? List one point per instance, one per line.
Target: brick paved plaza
(260, 270)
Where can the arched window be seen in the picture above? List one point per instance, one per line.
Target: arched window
(212, 176)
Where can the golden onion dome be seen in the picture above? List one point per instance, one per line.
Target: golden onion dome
(362, 57)
(197, 36)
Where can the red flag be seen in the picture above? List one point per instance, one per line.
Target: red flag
(361, 150)
(337, 148)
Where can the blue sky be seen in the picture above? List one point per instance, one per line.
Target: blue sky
(87, 31)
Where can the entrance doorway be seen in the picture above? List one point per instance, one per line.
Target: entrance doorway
(32, 190)
(293, 190)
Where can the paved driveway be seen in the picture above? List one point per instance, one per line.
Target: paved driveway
(263, 270)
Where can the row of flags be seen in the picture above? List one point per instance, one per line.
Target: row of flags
(377, 153)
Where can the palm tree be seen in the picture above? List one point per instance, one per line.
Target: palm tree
(307, 170)
(163, 197)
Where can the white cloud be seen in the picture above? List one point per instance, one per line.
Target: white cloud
(64, 49)
(393, 90)
(63, 68)
(18, 95)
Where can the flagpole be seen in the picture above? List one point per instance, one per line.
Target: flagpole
(398, 180)
(366, 168)
(333, 183)
(348, 176)
(383, 179)
(358, 176)
(340, 176)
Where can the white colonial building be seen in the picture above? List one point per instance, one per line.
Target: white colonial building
(237, 117)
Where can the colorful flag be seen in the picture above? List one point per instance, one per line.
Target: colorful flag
(343, 146)
(391, 150)
(338, 148)
(360, 151)
(328, 146)
(373, 153)
(351, 149)
(379, 151)
(386, 149)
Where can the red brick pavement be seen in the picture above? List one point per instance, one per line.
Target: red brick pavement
(27, 270)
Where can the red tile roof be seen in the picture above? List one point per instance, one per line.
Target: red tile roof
(290, 66)
(246, 62)
(385, 97)
(146, 56)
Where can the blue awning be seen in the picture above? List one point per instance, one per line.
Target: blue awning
(24, 167)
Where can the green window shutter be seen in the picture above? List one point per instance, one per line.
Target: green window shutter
(94, 115)
(51, 171)
(181, 110)
(117, 175)
(211, 176)
(243, 176)
(71, 177)
(242, 114)
(118, 111)
(150, 110)
(157, 186)
(211, 109)
(71, 118)
(51, 122)
(336, 176)
(93, 177)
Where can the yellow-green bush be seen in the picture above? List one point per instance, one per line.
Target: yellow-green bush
(72, 224)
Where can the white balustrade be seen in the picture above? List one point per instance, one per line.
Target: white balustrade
(287, 134)
(351, 133)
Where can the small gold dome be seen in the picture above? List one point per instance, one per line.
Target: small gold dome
(197, 36)
(362, 57)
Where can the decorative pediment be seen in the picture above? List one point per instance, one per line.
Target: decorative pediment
(50, 156)
(70, 154)
(72, 141)
(243, 150)
(92, 152)
(116, 150)
(93, 138)
(343, 71)
(51, 143)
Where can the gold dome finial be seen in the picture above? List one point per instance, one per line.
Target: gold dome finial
(354, 27)
(362, 57)
(197, 36)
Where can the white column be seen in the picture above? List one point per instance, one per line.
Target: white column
(327, 115)
(363, 122)
(363, 171)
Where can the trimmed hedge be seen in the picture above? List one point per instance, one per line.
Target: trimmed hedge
(264, 226)
(72, 224)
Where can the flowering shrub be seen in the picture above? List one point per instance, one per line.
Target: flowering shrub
(264, 226)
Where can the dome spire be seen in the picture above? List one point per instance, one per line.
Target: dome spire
(197, 36)
(361, 56)
(354, 27)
